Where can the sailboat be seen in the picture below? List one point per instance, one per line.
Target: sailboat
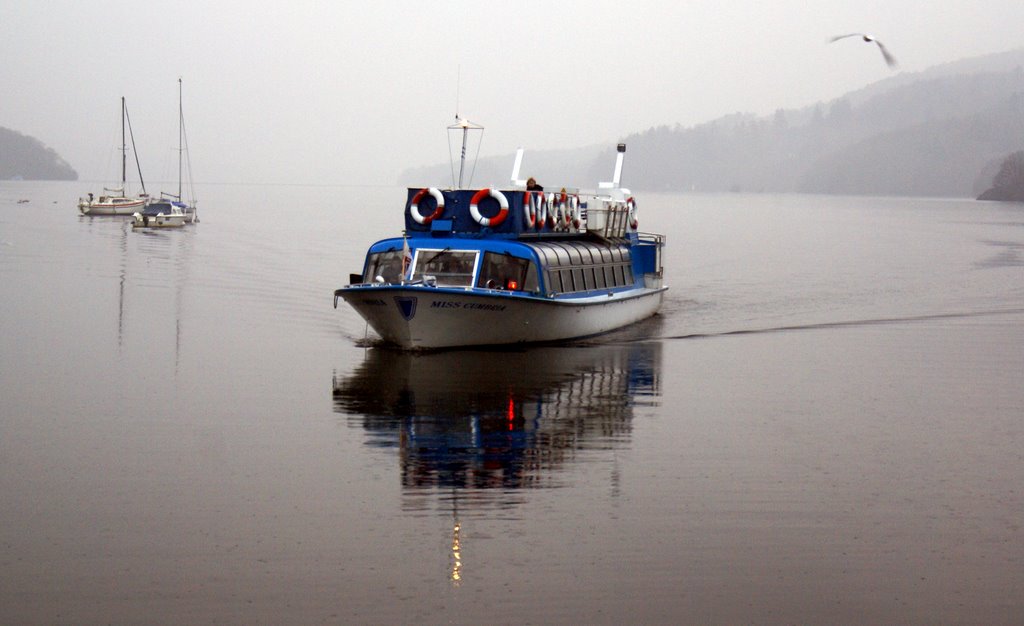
(116, 201)
(170, 210)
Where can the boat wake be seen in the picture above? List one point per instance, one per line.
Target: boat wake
(847, 323)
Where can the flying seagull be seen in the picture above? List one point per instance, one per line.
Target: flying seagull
(889, 58)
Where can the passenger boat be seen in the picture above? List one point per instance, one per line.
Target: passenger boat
(507, 266)
(116, 201)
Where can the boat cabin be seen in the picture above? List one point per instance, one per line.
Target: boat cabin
(543, 245)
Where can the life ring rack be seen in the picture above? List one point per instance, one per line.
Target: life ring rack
(414, 206)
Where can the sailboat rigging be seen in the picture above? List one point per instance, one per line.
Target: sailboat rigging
(118, 202)
(170, 210)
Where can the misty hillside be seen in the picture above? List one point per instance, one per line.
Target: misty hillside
(562, 167)
(939, 132)
(26, 158)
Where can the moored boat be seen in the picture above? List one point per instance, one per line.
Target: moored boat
(506, 266)
(116, 201)
(162, 213)
(169, 210)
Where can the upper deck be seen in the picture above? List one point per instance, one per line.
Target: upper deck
(518, 214)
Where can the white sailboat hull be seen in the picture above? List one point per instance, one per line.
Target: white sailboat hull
(421, 317)
(127, 206)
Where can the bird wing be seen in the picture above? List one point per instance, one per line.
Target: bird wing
(838, 37)
(890, 60)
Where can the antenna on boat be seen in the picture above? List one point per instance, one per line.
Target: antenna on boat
(465, 126)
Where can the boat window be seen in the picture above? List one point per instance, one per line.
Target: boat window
(547, 255)
(554, 282)
(387, 265)
(577, 277)
(451, 268)
(504, 271)
(625, 276)
(573, 266)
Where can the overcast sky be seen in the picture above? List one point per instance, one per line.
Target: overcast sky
(354, 92)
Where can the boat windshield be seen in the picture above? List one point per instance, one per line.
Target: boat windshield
(387, 265)
(450, 268)
(504, 271)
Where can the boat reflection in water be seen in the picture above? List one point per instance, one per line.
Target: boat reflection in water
(497, 419)
(475, 429)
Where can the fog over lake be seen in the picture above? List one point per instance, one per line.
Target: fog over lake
(355, 93)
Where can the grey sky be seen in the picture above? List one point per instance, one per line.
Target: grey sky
(351, 92)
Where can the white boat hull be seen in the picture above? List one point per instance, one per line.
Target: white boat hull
(159, 221)
(111, 208)
(421, 317)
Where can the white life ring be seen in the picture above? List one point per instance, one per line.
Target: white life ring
(634, 220)
(577, 218)
(414, 206)
(553, 208)
(540, 202)
(537, 213)
(529, 213)
(566, 209)
(474, 210)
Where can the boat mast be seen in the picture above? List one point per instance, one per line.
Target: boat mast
(124, 150)
(181, 123)
(135, 151)
(465, 126)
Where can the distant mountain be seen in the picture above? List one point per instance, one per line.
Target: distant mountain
(1008, 182)
(940, 132)
(931, 133)
(26, 158)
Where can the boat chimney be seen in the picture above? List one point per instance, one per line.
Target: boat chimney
(614, 184)
(618, 164)
(516, 183)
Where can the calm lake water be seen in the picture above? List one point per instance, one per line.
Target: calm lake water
(824, 425)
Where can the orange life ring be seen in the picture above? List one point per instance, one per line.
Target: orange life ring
(529, 212)
(566, 210)
(540, 206)
(474, 209)
(414, 206)
(554, 206)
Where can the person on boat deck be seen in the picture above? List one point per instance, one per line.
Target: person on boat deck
(531, 185)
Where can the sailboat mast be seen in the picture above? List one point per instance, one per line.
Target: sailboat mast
(181, 123)
(124, 151)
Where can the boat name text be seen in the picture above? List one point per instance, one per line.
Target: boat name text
(448, 304)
